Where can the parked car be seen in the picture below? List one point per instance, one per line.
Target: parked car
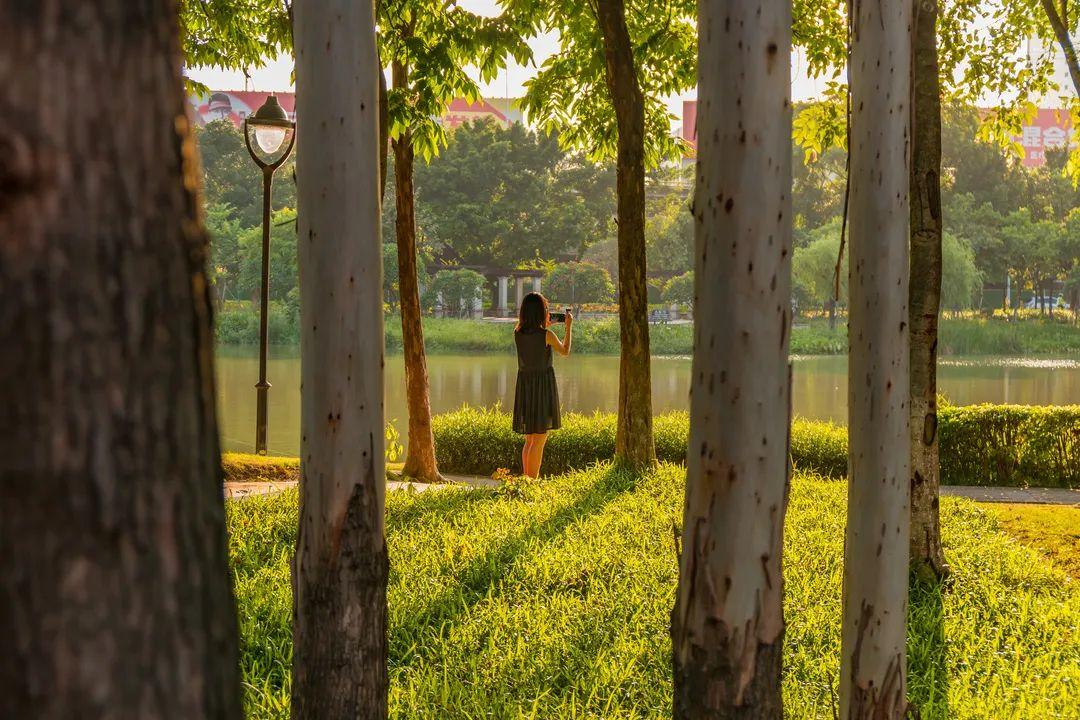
(1051, 303)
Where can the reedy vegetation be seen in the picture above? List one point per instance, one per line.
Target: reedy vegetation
(238, 325)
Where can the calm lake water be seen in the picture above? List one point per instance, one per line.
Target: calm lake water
(589, 383)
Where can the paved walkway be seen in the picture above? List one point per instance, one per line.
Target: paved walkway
(246, 489)
(1040, 496)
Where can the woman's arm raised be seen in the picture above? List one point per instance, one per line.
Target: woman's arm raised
(562, 346)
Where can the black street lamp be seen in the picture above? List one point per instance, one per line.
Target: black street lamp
(274, 134)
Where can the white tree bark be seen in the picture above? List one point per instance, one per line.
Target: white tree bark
(340, 568)
(872, 675)
(728, 624)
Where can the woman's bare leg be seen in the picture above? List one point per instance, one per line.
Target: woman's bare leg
(538, 453)
(526, 455)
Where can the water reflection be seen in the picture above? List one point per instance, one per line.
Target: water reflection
(590, 383)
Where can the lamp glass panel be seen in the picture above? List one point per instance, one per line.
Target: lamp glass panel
(269, 137)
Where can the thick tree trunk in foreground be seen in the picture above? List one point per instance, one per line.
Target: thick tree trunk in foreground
(728, 622)
(340, 567)
(927, 557)
(633, 437)
(872, 671)
(116, 600)
(420, 449)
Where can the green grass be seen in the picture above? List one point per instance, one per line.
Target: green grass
(997, 337)
(1052, 529)
(552, 602)
(959, 336)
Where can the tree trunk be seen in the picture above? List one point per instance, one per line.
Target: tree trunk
(116, 599)
(927, 556)
(633, 437)
(340, 566)
(420, 451)
(728, 622)
(872, 671)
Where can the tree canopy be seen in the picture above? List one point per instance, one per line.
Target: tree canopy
(569, 98)
(509, 196)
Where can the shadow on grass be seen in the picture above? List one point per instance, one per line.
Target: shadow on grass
(474, 582)
(444, 501)
(928, 667)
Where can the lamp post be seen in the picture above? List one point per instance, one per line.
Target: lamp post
(274, 134)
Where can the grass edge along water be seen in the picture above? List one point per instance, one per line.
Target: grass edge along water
(958, 336)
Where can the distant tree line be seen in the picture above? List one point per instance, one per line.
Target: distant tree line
(512, 197)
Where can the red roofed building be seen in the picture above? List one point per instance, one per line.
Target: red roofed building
(689, 123)
(1050, 128)
(235, 105)
(461, 112)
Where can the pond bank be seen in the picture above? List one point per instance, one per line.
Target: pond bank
(959, 336)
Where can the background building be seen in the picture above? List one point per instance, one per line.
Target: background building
(1050, 128)
(235, 105)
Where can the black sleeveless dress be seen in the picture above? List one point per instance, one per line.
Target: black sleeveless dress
(536, 399)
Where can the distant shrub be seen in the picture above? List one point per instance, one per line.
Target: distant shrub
(579, 282)
(240, 325)
(680, 289)
(457, 290)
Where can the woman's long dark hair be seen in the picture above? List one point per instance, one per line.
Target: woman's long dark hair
(532, 315)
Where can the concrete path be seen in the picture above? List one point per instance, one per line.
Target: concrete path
(246, 489)
(1040, 496)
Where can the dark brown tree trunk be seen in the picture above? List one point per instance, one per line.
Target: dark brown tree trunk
(924, 297)
(420, 450)
(633, 438)
(116, 599)
(727, 628)
(340, 566)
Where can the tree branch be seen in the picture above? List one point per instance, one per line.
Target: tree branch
(1061, 31)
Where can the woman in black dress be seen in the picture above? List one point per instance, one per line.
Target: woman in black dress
(536, 399)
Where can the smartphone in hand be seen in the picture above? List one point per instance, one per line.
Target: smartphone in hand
(559, 317)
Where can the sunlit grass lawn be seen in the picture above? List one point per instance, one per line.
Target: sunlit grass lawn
(552, 602)
(1052, 529)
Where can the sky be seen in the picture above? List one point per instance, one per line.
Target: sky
(276, 75)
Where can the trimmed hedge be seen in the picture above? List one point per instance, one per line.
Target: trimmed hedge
(475, 441)
(990, 445)
(242, 467)
(1010, 445)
